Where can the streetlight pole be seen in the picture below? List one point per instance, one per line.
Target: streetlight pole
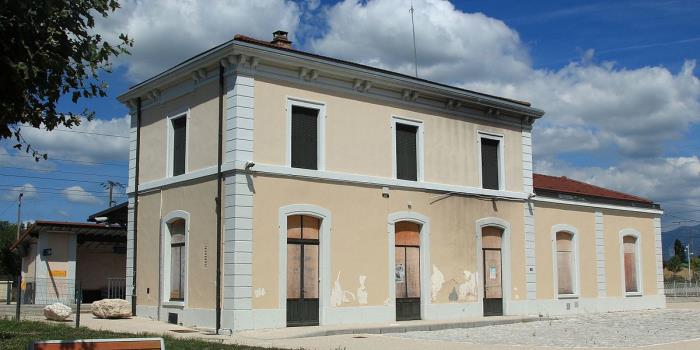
(690, 274)
(19, 275)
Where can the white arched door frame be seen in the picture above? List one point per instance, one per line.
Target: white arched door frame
(324, 273)
(424, 253)
(165, 262)
(638, 261)
(505, 260)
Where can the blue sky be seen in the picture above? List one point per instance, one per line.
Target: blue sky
(617, 80)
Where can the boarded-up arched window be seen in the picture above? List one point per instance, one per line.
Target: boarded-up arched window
(565, 263)
(630, 260)
(178, 257)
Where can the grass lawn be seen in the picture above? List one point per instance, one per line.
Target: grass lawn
(18, 335)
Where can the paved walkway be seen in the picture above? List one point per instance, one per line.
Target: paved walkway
(675, 328)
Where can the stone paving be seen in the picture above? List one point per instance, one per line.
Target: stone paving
(618, 329)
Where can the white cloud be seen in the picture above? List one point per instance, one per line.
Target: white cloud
(635, 111)
(168, 32)
(82, 142)
(77, 194)
(12, 193)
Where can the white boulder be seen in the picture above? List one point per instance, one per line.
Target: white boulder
(57, 312)
(111, 308)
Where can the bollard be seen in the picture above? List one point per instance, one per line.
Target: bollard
(78, 301)
(19, 297)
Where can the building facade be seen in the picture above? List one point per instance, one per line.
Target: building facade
(271, 187)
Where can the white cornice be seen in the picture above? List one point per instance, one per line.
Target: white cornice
(596, 205)
(311, 68)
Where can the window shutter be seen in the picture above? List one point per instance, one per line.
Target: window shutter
(304, 138)
(406, 152)
(179, 145)
(489, 163)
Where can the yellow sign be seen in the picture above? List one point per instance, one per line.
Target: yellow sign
(58, 273)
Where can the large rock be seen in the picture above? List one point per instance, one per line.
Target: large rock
(111, 308)
(57, 312)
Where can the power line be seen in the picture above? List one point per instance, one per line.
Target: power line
(61, 171)
(68, 160)
(50, 178)
(29, 190)
(91, 133)
(21, 188)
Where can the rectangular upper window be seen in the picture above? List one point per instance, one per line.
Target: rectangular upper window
(406, 152)
(179, 145)
(304, 139)
(491, 176)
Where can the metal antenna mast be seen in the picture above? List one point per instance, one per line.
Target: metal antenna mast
(413, 27)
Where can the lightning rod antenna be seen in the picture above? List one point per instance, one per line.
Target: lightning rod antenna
(413, 27)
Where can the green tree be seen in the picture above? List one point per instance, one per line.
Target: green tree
(679, 250)
(49, 52)
(9, 260)
(695, 266)
(674, 264)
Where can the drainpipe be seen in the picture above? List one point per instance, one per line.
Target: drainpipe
(219, 179)
(136, 203)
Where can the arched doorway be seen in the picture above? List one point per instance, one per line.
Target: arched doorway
(491, 246)
(303, 270)
(407, 270)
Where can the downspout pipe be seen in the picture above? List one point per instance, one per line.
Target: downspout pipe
(136, 204)
(219, 179)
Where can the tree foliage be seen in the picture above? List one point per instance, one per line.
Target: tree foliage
(9, 260)
(674, 264)
(679, 250)
(49, 52)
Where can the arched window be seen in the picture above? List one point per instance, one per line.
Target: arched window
(178, 258)
(630, 257)
(566, 283)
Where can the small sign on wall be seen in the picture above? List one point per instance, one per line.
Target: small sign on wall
(400, 273)
(58, 273)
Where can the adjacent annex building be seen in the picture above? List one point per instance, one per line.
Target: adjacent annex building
(271, 187)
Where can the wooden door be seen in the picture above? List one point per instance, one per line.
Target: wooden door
(302, 270)
(407, 271)
(492, 267)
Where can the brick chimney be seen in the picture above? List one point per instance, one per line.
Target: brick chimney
(279, 38)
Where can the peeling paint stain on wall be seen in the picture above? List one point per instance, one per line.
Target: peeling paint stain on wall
(387, 301)
(340, 296)
(468, 289)
(259, 292)
(362, 291)
(436, 280)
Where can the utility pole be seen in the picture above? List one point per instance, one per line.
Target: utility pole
(690, 273)
(19, 275)
(19, 212)
(110, 185)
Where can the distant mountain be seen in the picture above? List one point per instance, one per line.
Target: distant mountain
(682, 233)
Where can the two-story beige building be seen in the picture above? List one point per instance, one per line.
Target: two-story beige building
(271, 187)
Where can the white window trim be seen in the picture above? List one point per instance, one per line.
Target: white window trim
(170, 142)
(419, 145)
(576, 272)
(324, 269)
(321, 132)
(501, 154)
(426, 296)
(165, 262)
(638, 263)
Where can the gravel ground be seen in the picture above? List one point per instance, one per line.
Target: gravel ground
(618, 329)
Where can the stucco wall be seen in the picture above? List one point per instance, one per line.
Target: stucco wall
(359, 137)
(95, 265)
(359, 239)
(202, 132)
(57, 262)
(197, 198)
(614, 222)
(583, 219)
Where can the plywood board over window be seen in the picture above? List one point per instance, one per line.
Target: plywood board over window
(630, 260)
(565, 263)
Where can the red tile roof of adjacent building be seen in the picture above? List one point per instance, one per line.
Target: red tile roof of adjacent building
(563, 184)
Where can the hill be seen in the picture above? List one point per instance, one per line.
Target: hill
(682, 233)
